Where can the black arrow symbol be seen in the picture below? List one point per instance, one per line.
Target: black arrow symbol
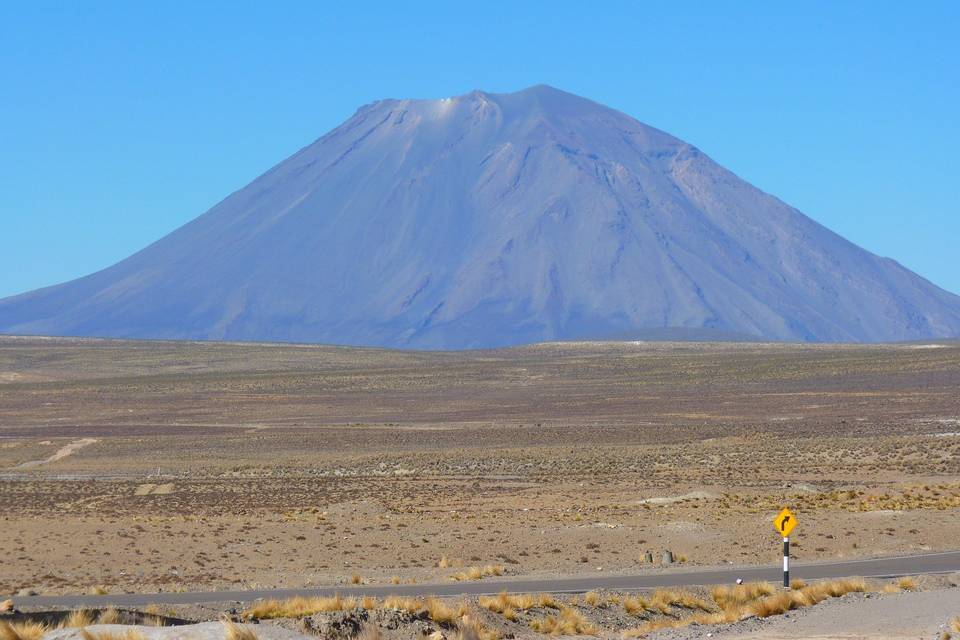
(783, 523)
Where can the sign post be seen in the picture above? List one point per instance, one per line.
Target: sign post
(784, 524)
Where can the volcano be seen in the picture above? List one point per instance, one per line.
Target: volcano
(487, 220)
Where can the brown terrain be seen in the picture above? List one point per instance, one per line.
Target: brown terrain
(145, 466)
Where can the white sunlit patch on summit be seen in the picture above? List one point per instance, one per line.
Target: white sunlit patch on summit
(444, 105)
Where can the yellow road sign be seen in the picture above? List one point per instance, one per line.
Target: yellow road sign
(785, 522)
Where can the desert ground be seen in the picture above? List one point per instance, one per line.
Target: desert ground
(171, 466)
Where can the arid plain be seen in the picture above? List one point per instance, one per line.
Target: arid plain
(145, 466)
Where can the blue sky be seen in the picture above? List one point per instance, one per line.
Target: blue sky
(121, 121)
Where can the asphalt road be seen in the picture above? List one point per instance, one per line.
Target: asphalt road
(944, 562)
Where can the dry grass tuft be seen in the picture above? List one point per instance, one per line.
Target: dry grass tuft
(591, 598)
(837, 588)
(663, 599)
(635, 605)
(798, 583)
(504, 601)
(78, 618)
(508, 604)
(478, 573)
(779, 603)
(955, 624)
(233, 631)
(6, 605)
(109, 616)
(21, 630)
(907, 584)
(154, 616)
(98, 590)
(410, 605)
(442, 613)
(369, 603)
(703, 617)
(470, 630)
(154, 621)
(356, 579)
(298, 607)
(656, 625)
(568, 622)
(547, 601)
(737, 595)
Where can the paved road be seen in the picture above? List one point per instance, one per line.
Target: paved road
(871, 568)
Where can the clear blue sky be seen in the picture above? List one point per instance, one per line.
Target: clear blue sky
(121, 121)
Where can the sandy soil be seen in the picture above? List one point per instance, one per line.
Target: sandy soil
(223, 466)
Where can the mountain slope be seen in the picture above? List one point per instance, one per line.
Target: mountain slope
(494, 219)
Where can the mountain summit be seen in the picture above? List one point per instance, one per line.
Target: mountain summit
(495, 219)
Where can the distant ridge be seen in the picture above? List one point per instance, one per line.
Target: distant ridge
(488, 220)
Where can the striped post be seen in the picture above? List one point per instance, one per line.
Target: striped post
(786, 563)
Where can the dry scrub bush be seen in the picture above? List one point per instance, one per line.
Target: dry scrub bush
(234, 631)
(568, 622)
(356, 579)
